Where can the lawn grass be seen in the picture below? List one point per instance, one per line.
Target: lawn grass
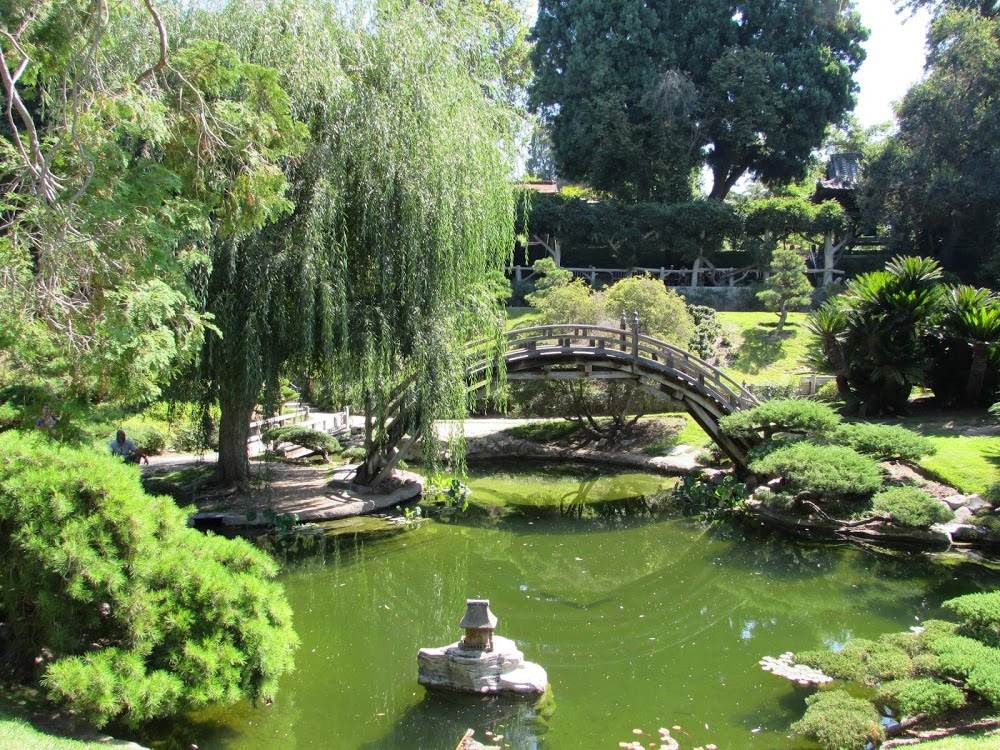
(18, 732)
(967, 461)
(988, 741)
(522, 317)
(757, 354)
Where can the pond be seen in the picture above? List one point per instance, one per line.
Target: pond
(641, 620)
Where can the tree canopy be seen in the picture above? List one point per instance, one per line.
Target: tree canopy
(640, 94)
(933, 183)
(225, 194)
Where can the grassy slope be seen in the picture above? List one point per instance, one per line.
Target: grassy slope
(756, 354)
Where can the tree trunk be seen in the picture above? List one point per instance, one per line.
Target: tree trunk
(977, 372)
(234, 431)
(828, 258)
(782, 317)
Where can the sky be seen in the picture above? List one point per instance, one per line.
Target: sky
(895, 58)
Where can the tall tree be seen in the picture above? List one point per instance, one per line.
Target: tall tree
(404, 213)
(640, 94)
(934, 183)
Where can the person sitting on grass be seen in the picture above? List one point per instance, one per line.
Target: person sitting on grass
(48, 420)
(126, 448)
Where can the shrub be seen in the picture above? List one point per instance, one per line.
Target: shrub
(821, 471)
(828, 393)
(909, 506)
(884, 442)
(979, 614)
(307, 437)
(663, 313)
(354, 453)
(840, 722)
(773, 391)
(706, 332)
(920, 695)
(836, 664)
(131, 614)
(781, 415)
(865, 661)
(972, 661)
(992, 495)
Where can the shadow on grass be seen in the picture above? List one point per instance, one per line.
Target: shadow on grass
(762, 346)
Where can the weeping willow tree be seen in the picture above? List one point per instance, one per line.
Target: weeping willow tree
(403, 217)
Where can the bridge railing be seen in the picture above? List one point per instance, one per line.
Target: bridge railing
(619, 343)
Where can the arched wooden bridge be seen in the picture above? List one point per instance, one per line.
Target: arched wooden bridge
(570, 351)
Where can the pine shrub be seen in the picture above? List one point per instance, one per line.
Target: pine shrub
(826, 472)
(909, 506)
(307, 437)
(884, 442)
(839, 721)
(131, 614)
(979, 615)
(782, 415)
(921, 695)
(971, 661)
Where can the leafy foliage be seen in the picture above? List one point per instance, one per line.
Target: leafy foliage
(132, 614)
(838, 721)
(883, 442)
(663, 313)
(911, 507)
(932, 182)
(638, 94)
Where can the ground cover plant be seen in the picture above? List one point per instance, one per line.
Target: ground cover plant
(920, 675)
(127, 613)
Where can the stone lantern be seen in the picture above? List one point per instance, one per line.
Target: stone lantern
(479, 624)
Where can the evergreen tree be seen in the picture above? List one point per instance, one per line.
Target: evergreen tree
(787, 285)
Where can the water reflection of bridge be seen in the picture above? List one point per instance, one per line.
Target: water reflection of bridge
(574, 351)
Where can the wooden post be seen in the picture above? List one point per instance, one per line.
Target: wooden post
(635, 337)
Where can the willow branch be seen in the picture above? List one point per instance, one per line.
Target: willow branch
(162, 31)
(45, 182)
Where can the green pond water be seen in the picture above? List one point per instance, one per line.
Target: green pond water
(642, 621)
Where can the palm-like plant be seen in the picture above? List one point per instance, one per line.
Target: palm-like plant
(966, 342)
(871, 335)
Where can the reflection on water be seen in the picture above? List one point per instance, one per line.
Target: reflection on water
(641, 621)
